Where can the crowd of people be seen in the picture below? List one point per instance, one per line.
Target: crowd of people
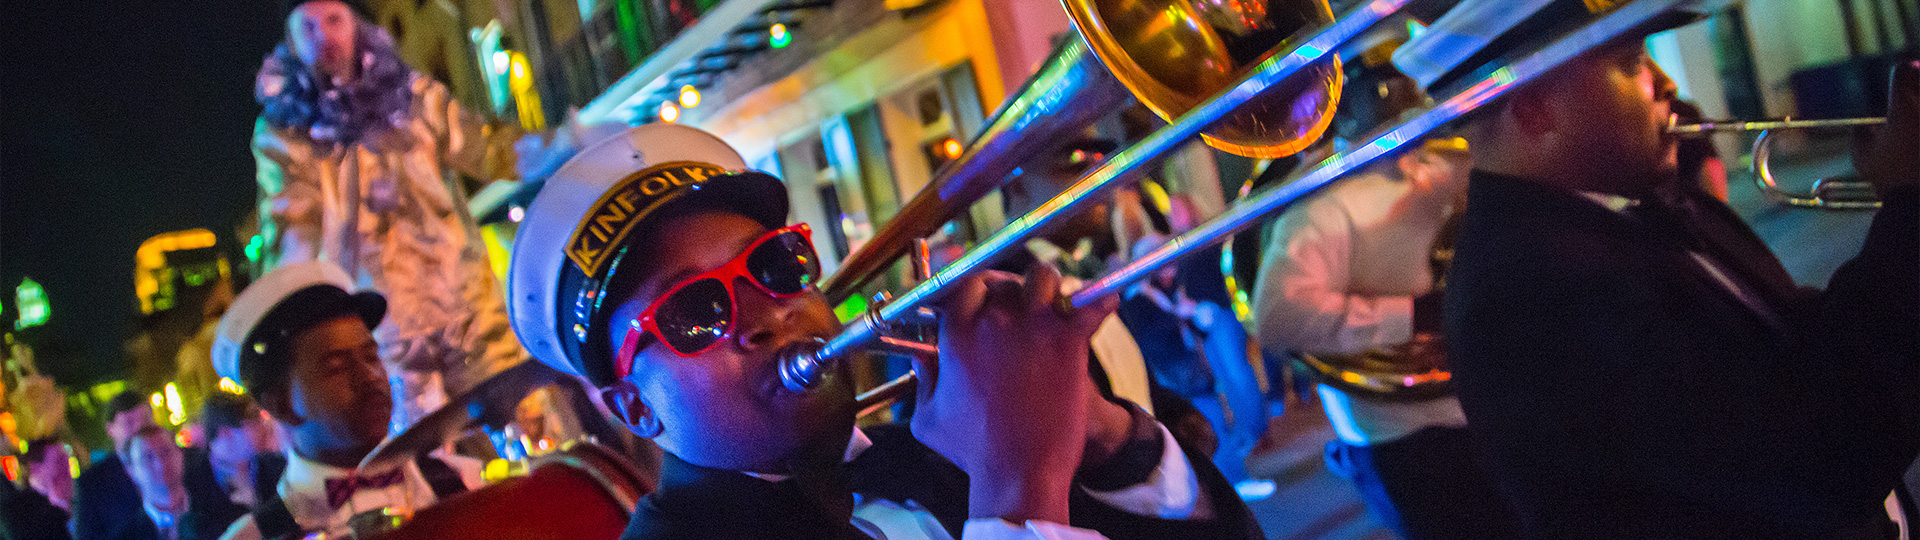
(1627, 359)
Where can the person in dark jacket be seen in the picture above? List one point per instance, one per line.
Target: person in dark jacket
(1633, 361)
(239, 438)
(173, 504)
(104, 492)
(39, 510)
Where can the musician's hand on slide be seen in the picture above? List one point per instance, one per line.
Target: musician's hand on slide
(1007, 398)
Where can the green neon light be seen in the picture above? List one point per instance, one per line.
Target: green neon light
(32, 301)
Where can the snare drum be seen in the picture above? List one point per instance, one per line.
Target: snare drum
(585, 491)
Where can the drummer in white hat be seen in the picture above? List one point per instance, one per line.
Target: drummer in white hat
(300, 341)
(658, 269)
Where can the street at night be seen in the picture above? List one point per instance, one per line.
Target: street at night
(960, 269)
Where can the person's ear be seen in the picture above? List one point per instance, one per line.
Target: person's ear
(623, 400)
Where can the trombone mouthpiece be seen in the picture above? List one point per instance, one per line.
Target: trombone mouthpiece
(801, 365)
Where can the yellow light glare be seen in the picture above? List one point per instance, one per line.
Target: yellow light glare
(157, 400)
(227, 385)
(176, 411)
(689, 96)
(952, 148)
(495, 471)
(669, 113)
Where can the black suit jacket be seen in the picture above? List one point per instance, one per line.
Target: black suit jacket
(26, 514)
(697, 502)
(106, 503)
(1617, 390)
(104, 497)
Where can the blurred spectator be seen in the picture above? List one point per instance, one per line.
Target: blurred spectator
(174, 510)
(1195, 346)
(49, 466)
(106, 496)
(104, 493)
(239, 436)
(39, 511)
(127, 413)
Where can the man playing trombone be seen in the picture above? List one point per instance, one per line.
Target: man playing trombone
(1632, 360)
(658, 269)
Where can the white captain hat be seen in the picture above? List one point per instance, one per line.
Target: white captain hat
(581, 226)
(286, 300)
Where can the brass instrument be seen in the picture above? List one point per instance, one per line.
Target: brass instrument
(1169, 54)
(804, 365)
(1412, 371)
(1833, 193)
(1173, 54)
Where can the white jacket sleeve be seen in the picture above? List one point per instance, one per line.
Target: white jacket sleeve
(1303, 302)
(1172, 492)
(996, 529)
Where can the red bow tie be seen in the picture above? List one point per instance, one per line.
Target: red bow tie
(339, 490)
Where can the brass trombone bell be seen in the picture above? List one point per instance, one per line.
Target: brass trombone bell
(1175, 54)
(1834, 193)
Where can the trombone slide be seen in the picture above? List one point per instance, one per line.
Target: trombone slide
(1764, 125)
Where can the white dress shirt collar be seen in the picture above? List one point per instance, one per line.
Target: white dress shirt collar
(303, 488)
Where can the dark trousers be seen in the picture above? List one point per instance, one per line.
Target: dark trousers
(1426, 486)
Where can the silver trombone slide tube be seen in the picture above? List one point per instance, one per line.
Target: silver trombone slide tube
(1789, 123)
(1242, 215)
(1827, 193)
(1070, 91)
(1269, 200)
(803, 369)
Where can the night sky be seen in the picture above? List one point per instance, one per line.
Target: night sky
(118, 121)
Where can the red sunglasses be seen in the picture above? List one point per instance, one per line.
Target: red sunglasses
(697, 313)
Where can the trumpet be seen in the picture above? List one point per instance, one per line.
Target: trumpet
(1832, 193)
(804, 366)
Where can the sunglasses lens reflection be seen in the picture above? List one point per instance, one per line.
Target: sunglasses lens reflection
(784, 264)
(695, 316)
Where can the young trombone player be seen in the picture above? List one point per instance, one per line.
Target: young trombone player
(659, 270)
(1632, 360)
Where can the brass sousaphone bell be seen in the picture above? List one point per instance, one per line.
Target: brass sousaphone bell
(1175, 54)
